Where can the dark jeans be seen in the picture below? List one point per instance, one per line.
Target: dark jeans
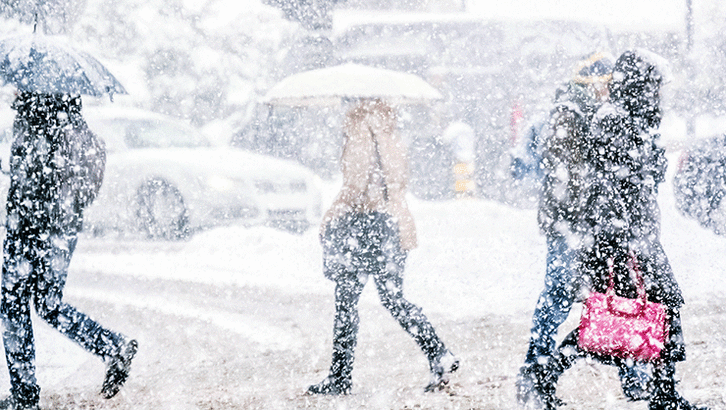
(555, 301)
(358, 246)
(35, 269)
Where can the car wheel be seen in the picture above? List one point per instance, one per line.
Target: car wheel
(161, 212)
(718, 216)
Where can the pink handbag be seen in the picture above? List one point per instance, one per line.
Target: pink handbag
(621, 327)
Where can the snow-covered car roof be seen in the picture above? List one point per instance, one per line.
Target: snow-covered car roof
(252, 163)
(119, 111)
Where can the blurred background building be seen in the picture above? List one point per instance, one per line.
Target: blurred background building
(211, 61)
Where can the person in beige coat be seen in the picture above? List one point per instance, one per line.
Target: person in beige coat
(368, 231)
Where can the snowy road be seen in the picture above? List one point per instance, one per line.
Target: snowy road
(241, 318)
(235, 347)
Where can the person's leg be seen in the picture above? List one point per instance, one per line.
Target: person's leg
(664, 395)
(342, 263)
(552, 308)
(65, 318)
(537, 383)
(389, 283)
(554, 302)
(112, 347)
(636, 379)
(388, 264)
(18, 333)
(345, 333)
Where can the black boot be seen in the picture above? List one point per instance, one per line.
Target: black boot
(118, 369)
(331, 386)
(528, 396)
(537, 383)
(339, 380)
(636, 380)
(441, 369)
(536, 387)
(664, 395)
(671, 401)
(10, 403)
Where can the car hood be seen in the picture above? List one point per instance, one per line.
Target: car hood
(219, 161)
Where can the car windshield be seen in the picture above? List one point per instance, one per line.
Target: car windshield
(122, 134)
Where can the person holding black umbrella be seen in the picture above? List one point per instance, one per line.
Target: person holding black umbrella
(56, 169)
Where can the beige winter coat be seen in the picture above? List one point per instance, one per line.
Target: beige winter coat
(370, 127)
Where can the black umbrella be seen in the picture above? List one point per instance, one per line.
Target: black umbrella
(45, 64)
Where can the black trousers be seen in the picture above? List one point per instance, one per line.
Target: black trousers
(356, 247)
(34, 273)
(658, 386)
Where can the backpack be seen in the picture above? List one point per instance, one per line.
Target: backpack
(87, 156)
(562, 154)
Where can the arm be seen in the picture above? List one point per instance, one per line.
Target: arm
(560, 200)
(395, 169)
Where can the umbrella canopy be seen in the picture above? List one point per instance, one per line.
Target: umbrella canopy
(45, 64)
(327, 86)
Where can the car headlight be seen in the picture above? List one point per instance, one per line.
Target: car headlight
(221, 184)
(281, 187)
(298, 186)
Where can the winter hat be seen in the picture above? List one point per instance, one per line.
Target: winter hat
(644, 63)
(597, 68)
(637, 79)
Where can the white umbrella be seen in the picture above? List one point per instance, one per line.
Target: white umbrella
(327, 86)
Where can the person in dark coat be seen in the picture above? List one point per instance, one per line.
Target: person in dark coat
(368, 232)
(625, 166)
(560, 208)
(56, 170)
(561, 148)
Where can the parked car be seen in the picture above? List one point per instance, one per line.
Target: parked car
(700, 183)
(165, 179)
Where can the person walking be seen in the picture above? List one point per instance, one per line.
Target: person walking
(561, 147)
(625, 166)
(368, 232)
(56, 169)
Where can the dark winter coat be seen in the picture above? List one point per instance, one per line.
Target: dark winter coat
(562, 160)
(625, 166)
(56, 165)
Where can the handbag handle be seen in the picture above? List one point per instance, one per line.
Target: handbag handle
(633, 267)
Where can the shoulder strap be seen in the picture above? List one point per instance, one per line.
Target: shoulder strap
(379, 162)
